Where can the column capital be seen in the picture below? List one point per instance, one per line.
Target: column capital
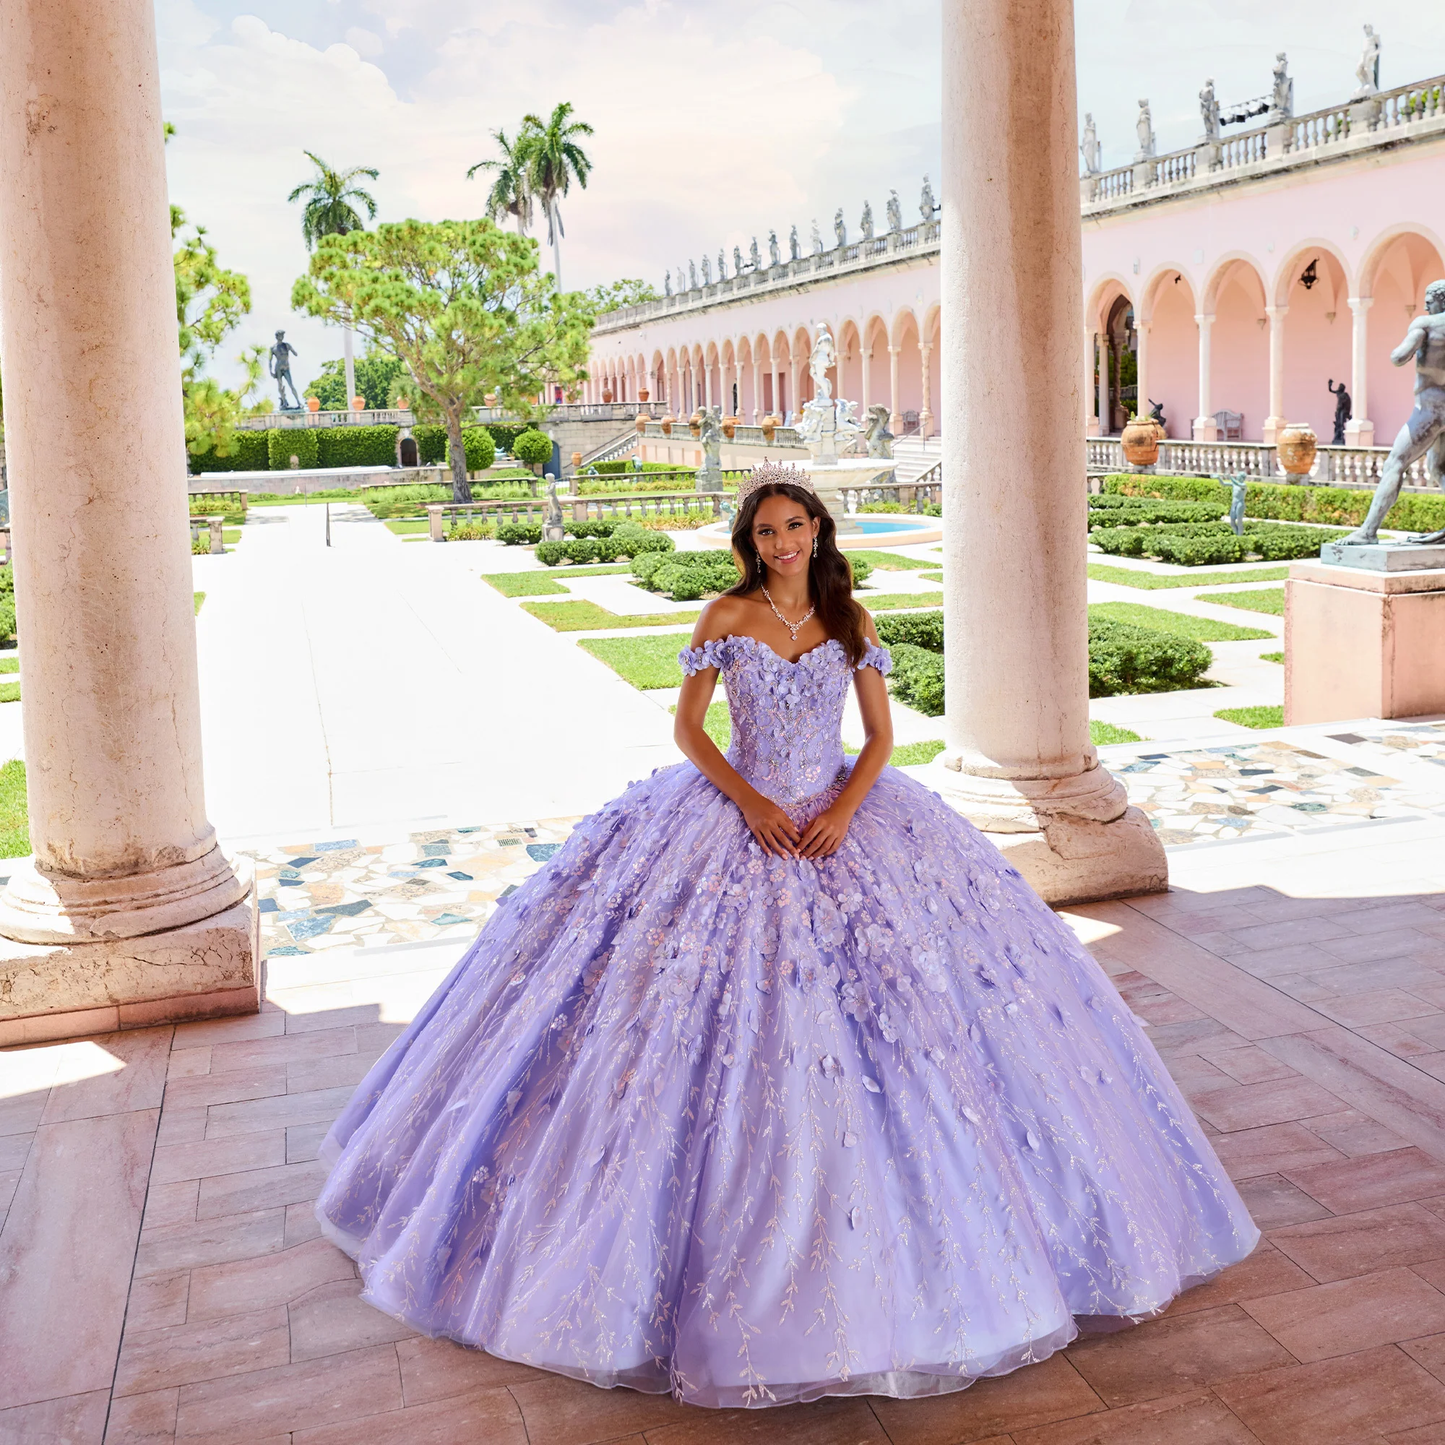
(1204, 318)
(1359, 304)
(1274, 312)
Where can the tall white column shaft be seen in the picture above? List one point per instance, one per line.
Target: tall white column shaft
(895, 416)
(1276, 420)
(1360, 430)
(1015, 593)
(925, 413)
(1091, 403)
(1141, 364)
(1205, 427)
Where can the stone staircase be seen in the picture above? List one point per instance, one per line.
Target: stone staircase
(913, 456)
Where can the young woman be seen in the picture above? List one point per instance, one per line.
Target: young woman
(777, 1081)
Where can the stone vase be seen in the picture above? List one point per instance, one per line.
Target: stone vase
(1296, 446)
(576, 459)
(769, 425)
(1140, 441)
(643, 393)
(666, 424)
(490, 398)
(694, 423)
(313, 403)
(729, 427)
(607, 397)
(641, 423)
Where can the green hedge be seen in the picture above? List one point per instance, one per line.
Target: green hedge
(520, 534)
(432, 449)
(356, 446)
(1123, 658)
(1209, 544)
(1115, 511)
(248, 455)
(504, 433)
(1277, 501)
(431, 443)
(686, 576)
(532, 448)
(283, 443)
(625, 540)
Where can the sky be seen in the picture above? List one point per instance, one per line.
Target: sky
(713, 123)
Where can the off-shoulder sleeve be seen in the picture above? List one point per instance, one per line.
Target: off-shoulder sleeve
(710, 654)
(878, 657)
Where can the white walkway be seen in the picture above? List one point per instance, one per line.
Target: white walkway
(375, 681)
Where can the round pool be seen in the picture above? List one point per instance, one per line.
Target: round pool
(877, 529)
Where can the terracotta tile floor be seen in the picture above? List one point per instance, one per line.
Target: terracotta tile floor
(162, 1278)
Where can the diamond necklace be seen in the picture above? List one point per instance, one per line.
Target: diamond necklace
(791, 626)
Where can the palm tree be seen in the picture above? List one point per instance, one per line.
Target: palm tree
(554, 161)
(509, 195)
(329, 211)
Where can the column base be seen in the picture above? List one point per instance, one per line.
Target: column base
(1360, 433)
(1205, 429)
(1273, 425)
(1074, 840)
(209, 969)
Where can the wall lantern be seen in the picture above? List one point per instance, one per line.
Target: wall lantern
(1309, 275)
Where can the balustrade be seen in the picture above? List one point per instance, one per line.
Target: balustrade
(1358, 467)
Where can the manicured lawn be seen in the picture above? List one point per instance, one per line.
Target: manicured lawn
(199, 599)
(892, 562)
(14, 823)
(645, 662)
(931, 576)
(1129, 578)
(891, 601)
(1265, 599)
(9, 664)
(9, 692)
(910, 755)
(523, 584)
(583, 616)
(610, 569)
(404, 527)
(1104, 732)
(1253, 717)
(1272, 657)
(1201, 629)
(542, 584)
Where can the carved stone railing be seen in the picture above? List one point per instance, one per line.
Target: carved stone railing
(270, 420)
(785, 438)
(1334, 466)
(581, 509)
(886, 250)
(1403, 112)
(911, 496)
(621, 411)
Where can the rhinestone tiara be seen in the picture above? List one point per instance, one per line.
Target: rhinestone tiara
(770, 473)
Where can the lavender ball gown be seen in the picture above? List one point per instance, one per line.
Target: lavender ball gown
(753, 1130)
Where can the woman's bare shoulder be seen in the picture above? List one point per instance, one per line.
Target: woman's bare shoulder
(721, 618)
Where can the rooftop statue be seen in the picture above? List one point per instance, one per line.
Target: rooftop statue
(722, 265)
(773, 258)
(795, 250)
(840, 227)
(706, 272)
(737, 261)
(865, 223)
(753, 257)
(1209, 111)
(895, 212)
(927, 206)
(1144, 128)
(1089, 146)
(691, 276)
(817, 239)
(667, 283)
(1281, 96)
(1367, 72)
(279, 366)
(1423, 435)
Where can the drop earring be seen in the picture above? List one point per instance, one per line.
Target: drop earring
(761, 567)
(815, 546)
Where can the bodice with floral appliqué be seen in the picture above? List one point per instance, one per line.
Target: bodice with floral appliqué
(787, 717)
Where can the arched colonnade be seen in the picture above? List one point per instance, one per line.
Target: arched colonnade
(1262, 341)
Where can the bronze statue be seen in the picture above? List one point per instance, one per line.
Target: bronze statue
(280, 368)
(1344, 410)
(1423, 435)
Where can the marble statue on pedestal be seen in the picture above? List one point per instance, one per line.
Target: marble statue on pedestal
(1089, 146)
(691, 276)
(706, 272)
(553, 529)
(1281, 95)
(709, 474)
(667, 283)
(865, 224)
(1367, 72)
(795, 249)
(1423, 435)
(827, 425)
(875, 432)
(754, 259)
(1209, 112)
(773, 258)
(1144, 129)
(722, 265)
(927, 205)
(840, 227)
(895, 213)
(279, 366)
(817, 239)
(1344, 410)
(737, 261)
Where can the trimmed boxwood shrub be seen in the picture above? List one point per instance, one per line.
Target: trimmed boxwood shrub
(432, 450)
(913, 629)
(481, 450)
(622, 539)
(1200, 544)
(248, 454)
(431, 443)
(282, 443)
(603, 527)
(532, 448)
(504, 433)
(356, 446)
(520, 534)
(1108, 511)
(917, 677)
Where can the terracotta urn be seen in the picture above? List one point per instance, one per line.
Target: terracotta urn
(490, 398)
(641, 423)
(643, 393)
(694, 423)
(729, 427)
(1140, 440)
(358, 403)
(607, 394)
(769, 425)
(313, 403)
(576, 459)
(666, 424)
(1296, 446)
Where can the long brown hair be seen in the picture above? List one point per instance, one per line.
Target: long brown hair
(830, 578)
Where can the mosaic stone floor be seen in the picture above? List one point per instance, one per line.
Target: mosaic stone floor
(443, 883)
(1277, 786)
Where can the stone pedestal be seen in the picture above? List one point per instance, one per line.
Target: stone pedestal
(129, 902)
(1363, 642)
(1018, 761)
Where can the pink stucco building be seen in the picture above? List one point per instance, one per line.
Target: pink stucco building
(1238, 276)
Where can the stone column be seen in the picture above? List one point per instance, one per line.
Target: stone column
(794, 394)
(895, 417)
(130, 913)
(1091, 402)
(865, 360)
(1018, 760)
(925, 413)
(1360, 430)
(1276, 421)
(1206, 429)
(1141, 364)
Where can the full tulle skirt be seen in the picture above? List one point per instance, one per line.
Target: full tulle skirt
(689, 1117)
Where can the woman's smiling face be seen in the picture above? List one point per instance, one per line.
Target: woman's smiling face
(783, 534)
